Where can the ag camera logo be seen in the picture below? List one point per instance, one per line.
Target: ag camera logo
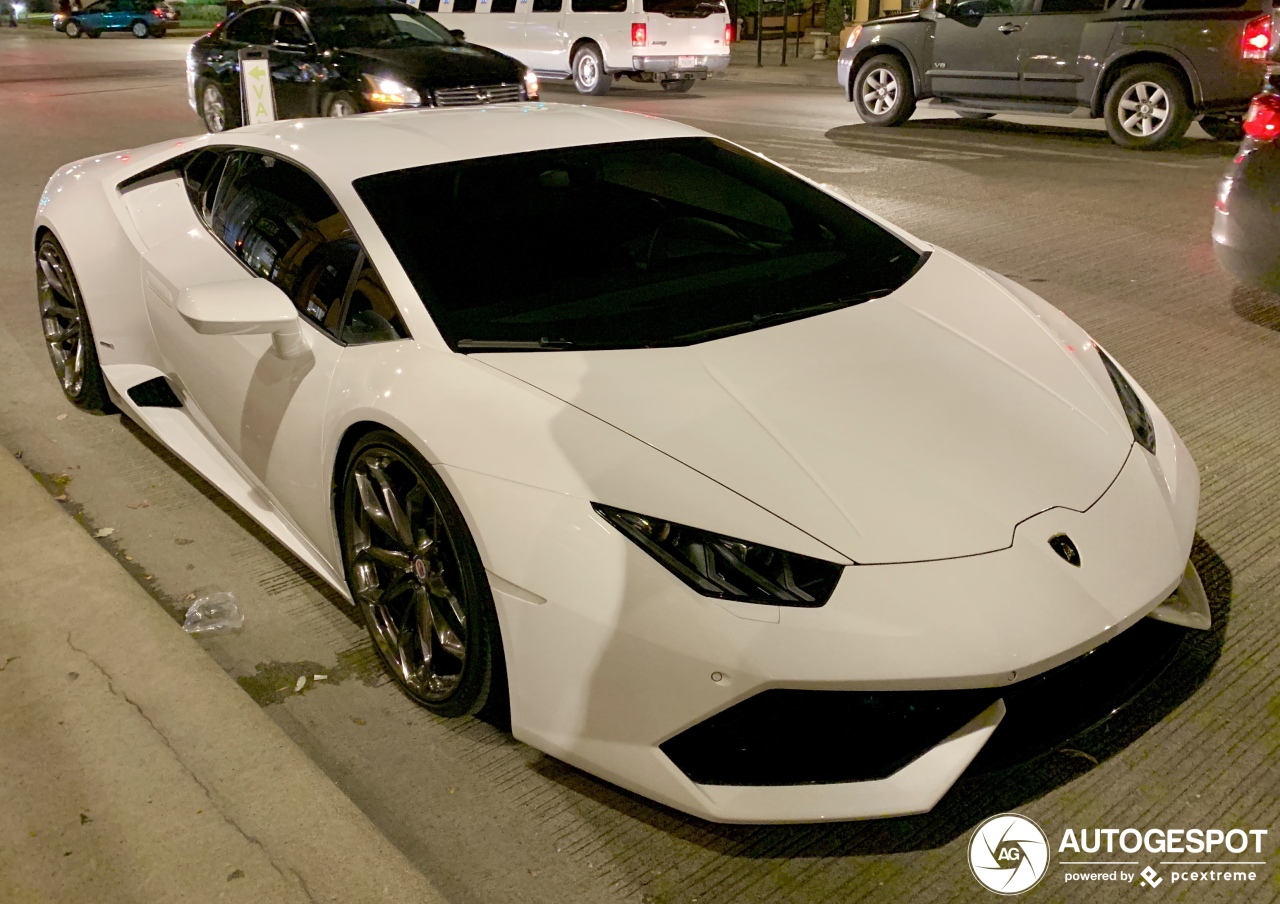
(1008, 854)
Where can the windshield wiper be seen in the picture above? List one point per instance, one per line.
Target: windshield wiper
(515, 344)
(770, 318)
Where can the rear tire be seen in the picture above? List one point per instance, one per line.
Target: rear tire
(67, 334)
(882, 91)
(677, 85)
(1223, 127)
(1146, 108)
(140, 29)
(589, 75)
(341, 103)
(73, 29)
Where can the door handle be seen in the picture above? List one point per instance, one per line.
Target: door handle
(1008, 28)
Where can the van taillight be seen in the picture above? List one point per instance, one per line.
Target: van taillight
(728, 34)
(1256, 38)
(1263, 119)
(639, 34)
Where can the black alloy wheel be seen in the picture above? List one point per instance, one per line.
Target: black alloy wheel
(67, 334)
(416, 575)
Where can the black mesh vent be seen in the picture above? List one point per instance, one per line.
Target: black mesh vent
(154, 394)
(806, 737)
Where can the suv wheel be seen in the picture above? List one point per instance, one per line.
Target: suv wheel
(882, 91)
(1146, 108)
(589, 74)
(140, 29)
(72, 29)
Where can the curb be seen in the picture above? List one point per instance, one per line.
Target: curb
(135, 768)
(771, 73)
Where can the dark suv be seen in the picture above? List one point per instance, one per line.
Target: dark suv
(1148, 67)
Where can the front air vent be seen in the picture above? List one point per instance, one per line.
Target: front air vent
(156, 393)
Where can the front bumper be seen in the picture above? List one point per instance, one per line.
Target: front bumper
(696, 66)
(611, 658)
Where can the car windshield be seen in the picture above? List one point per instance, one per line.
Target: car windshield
(376, 26)
(629, 245)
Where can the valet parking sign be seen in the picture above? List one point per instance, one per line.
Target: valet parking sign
(1010, 854)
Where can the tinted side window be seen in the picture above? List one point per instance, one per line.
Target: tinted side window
(371, 315)
(284, 227)
(254, 26)
(464, 6)
(1072, 6)
(547, 6)
(429, 6)
(502, 6)
(1168, 5)
(290, 31)
(598, 6)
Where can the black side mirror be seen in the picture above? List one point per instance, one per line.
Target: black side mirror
(458, 34)
(968, 9)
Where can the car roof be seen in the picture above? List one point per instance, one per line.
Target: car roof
(347, 148)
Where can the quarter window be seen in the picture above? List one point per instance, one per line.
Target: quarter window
(464, 6)
(284, 227)
(502, 6)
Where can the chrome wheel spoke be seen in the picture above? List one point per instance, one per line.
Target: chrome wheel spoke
(400, 529)
(392, 558)
(445, 635)
(52, 272)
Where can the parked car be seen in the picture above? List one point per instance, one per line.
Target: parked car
(342, 57)
(749, 502)
(143, 18)
(1147, 67)
(170, 12)
(1246, 219)
(595, 42)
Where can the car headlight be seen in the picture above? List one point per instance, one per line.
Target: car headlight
(726, 567)
(1136, 413)
(530, 85)
(391, 93)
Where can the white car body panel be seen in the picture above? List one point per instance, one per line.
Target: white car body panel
(944, 432)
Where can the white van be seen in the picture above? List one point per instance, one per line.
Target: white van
(593, 42)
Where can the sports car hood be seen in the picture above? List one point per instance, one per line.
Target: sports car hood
(922, 425)
(443, 66)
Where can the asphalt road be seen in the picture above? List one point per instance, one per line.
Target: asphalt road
(1117, 239)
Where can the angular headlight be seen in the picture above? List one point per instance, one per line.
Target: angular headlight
(728, 568)
(1139, 421)
(390, 93)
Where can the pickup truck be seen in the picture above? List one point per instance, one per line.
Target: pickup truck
(1147, 67)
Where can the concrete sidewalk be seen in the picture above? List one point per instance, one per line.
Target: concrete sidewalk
(132, 768)
(798, 71)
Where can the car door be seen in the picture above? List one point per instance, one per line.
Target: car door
(251, 28)
(976, 46)
(1050, 51)
(294, 69)
(546, 44)
(269, 219)
(98, 16)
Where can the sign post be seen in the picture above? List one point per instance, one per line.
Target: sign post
(257, 97)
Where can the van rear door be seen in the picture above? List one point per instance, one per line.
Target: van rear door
(685, 28)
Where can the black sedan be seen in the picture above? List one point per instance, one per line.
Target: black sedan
(1246, 223)
(342, 57)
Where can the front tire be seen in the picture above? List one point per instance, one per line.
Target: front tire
(1146, 108)
(72, 29)
(677, 85)
(416, 575)
(67, 334)
(882, 91)
(218, 113)
(140, 29)
(341, 103)
(589, 74)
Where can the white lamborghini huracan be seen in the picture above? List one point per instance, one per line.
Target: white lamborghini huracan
(738, 496)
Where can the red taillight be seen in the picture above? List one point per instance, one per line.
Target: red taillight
(728, 34)
(158, 13)
(1263, 119)
(1256, 38)
(639, 34)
